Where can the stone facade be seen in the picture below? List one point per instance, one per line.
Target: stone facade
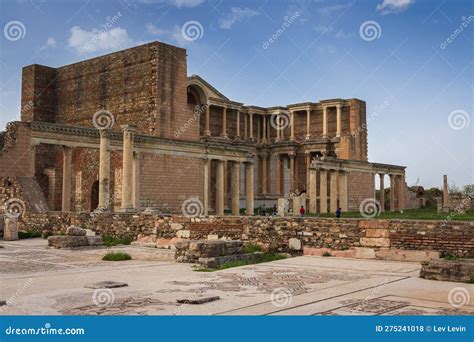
(189, 141)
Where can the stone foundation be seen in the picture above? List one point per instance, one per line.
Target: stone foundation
(375, 237)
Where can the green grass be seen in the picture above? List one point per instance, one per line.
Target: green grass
(327, 254)
(110, 241)
(428, 213)
(251, 248)
(29, 235)
(263, 257)
(116, 256)
(451, 257)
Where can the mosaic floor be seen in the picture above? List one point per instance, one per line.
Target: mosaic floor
(38, 280)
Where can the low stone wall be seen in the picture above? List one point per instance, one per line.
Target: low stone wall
(274, 233)
(448, 270)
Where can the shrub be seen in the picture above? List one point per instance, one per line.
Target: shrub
(116, 256)
(327, 254)
(251, 248)
(29, 235)
(110, 241)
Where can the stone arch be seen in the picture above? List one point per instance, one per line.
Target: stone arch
(197, 100)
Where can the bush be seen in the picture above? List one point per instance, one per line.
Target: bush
(116, 256)
(251, 248)
(29, 235)
(110, 241)
(326, 254)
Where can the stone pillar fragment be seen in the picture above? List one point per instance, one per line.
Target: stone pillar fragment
(325, 122)
(445, 194)
(127, 170)
(263, 180)
(10, 230)
(292, 125)
(220, 187)
(251, 125)
(249, 192)
(207, 131)
(333, 191)
(224, 122)
(401, 193)
(308, 124)
(281, 207)
(292, 173)
(278, 175)
(104, 171)
(136, 181)
(238, 125)
(235, 188)
(323, 192)
(67, 179)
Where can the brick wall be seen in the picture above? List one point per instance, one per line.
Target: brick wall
(447, 238)
(144, 86)
(359, 187)
(17, 156)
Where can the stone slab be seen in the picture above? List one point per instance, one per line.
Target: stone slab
(197, 301)
(105, 285)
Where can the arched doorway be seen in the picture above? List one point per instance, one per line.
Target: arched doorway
(196, 102)
(95, 196)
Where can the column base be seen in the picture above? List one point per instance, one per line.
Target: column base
(307, 137)
(225, 136)
(102, 210)
(207, 133)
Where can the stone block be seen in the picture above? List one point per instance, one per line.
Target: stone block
(183, 234)
(95, 240)
(281, 206)
(375, 242)
(295, 244)
(213, 237)
(364, 253)
(75, 231)
(377, 233)
(67, 241)
(394, 254)
(448, 270)
(373, 224)
(176, 226)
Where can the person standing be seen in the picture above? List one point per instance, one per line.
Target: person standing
(338, 213)
(302, 211)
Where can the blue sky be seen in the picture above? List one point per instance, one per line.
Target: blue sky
(394, 54)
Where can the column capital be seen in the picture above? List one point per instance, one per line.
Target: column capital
(129, 128)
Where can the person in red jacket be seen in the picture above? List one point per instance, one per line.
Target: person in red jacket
(302, 211)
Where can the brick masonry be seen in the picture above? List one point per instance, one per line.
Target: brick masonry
(275, 233)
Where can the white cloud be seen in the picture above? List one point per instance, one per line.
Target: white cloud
(173, 35)
(343, 35)
(327, 10)
(176, 3)
(393, 6)
(236, 14)
(51, 42)
(99, 40)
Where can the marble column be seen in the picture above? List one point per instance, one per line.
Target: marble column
(292, 125)
(127, 169)
(220, 187)
(278, 175)
(249, 188)
(136, 181)
(207, 131)
(338, 120)
(333, 191)
(205, 197)
(382, 192)
(67, 179)
(224, 122)
(104, 171)
(325, 122)
(263, 180)
(312, 190)
(237, 134)
(323, 191)
(235, 188)
(251, 125)
(392, 193)
(401, 192)
(292, 172)
(264, 135)
(343, 200)
(246, 127)
(308, 124)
